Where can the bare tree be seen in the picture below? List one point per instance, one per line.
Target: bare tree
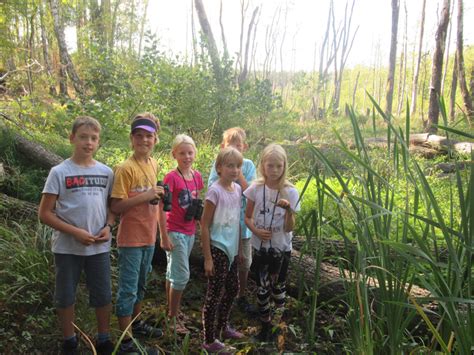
(454, 84)
(448, 44)
(142, 28)
(392, 57)
(244, 72)
(417, 68)
(437, 69)
(224, 42)
(66, 61)
(403, 65)
(466, 97)
(45, 43)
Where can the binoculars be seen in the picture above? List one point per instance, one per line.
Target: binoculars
(194, 210)
(167, 197)
(271, 257)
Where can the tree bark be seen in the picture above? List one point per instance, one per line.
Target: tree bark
(418, 62)
(466, 97)
(244, 73)
(44, 42)
(437, 69)
(392, 58)
(224, 42)
(452, 95)
(63, 52)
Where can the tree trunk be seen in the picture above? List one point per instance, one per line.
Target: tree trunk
(224, 42)
(466, 97)
(245, 69)
(452, 96)
(44, 42)
(209, 39)
(417, 68)
(113, 26)
(448, 43)
(63, 52)
(142, 28)
(437, 69)
(392, 57)
(403, 66)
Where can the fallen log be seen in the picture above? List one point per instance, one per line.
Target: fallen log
(12, 208)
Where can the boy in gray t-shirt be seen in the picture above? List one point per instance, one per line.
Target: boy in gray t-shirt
(75, 203)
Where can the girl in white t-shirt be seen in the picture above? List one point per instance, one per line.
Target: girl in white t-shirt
(220, 236)
(271, 205)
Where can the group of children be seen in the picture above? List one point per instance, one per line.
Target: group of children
(240, 217)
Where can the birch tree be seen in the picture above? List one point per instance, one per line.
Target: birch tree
(418, 62)
(392, 57)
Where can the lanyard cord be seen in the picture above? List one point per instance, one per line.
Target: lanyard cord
(143, 170)
(264, 207)
(187, 188)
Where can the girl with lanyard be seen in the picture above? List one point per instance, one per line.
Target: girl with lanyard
(270, 214)
(178, 226)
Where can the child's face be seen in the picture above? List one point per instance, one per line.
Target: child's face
(85, 140)
(143, 141)
(229, 171)
(273, 168)
(184, 155)
(237, 144)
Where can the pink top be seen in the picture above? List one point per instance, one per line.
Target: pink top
(182, 192)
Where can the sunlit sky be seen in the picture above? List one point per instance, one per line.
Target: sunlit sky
(306, 23)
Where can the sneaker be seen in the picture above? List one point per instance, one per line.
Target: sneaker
(246, 307)
(231, 333)
(105, 348)
(266, 334)
(145, 330)
(133, 349)
(69, 347)
(214, 347)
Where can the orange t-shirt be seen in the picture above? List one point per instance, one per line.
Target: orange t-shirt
(138, 225)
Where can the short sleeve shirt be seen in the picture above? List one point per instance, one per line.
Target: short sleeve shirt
(82, 195)
(249, 172)
(139, 224)
(267, 215)
(183, 191)
(226, 222)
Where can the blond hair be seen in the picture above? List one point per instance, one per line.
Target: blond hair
(229, 154)
(182, 139)
(273, 151)
(88, 121)
(233, 134)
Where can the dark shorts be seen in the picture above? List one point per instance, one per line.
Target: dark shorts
(68, 272)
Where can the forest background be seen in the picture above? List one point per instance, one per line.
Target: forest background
(61, 59)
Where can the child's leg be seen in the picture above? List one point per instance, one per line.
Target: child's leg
(263, 293)
(244, 267)
(68, 270)
(97, 270)
(215, 284)
(177, 271)
(279, 287)
(231, 289)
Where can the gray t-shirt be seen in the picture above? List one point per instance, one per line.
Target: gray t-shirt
(82, 201)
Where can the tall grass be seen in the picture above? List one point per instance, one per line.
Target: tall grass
(398, 233)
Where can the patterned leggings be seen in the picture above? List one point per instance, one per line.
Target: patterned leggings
(272, 286)
(222, 288)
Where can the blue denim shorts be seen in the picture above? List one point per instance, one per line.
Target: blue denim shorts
(177, 269)
(134, 267)
(68, 269)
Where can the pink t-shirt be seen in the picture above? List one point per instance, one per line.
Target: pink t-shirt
(183, 191)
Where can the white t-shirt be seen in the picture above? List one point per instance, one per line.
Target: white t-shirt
(267, 215)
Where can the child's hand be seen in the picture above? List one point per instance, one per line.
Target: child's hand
(84, 237)
(208, 268)
(263, 234)
(104, 235)
(154, 193)
(285, 204)
(166, 245)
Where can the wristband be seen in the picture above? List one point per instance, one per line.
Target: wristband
(108, 225)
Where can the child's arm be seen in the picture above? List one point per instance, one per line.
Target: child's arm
(263, 234)
(289, 215)
(106, 231)
(47, 215)
(242, 181)
(120, 205)
(165, 241)
(206, 221)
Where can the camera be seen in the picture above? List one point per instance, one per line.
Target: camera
(167, 197)
(194, 210)
(275, 258)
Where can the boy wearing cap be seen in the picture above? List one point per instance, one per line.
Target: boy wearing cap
(134, 187)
